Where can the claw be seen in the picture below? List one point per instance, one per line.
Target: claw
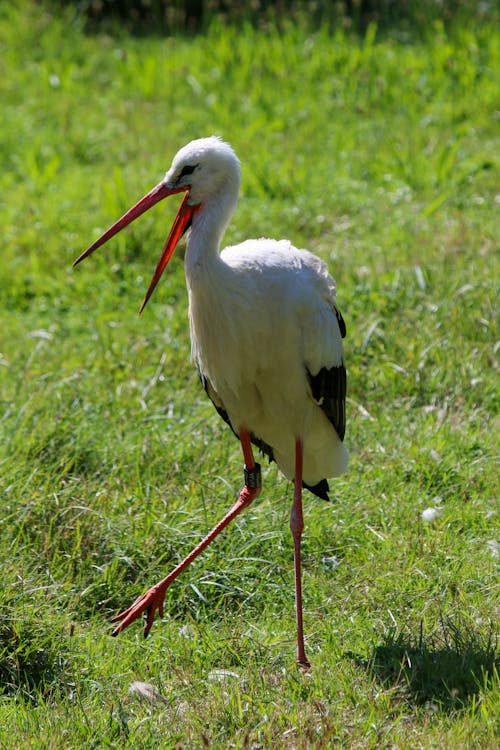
(149, 603)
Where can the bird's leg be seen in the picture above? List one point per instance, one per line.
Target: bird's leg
(154, 598)
(297, 527)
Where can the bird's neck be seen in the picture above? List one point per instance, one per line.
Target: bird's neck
(207, 229)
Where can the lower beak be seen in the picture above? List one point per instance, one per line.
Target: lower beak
(181, 223)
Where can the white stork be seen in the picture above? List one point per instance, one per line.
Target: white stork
(266, 337)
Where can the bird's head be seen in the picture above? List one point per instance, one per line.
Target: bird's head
(205, 168)
(208, 171)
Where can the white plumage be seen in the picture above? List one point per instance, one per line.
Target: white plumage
(266, 337)
(262, 314)
(259, 323)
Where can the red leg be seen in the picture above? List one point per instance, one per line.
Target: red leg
(154, 598)
(297, 527)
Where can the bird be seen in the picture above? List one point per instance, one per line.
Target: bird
(266, 337)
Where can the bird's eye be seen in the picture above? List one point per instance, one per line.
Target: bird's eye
(188, 169)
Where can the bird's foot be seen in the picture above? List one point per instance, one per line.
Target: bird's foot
(304, 664)
(149, 603)
(152, 601)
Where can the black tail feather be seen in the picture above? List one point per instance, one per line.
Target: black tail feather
(320, 490)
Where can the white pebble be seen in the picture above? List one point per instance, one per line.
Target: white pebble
(430, 514)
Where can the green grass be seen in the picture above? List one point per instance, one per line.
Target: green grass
(381, 156)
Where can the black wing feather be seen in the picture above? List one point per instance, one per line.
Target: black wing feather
(328, 388)
(341, 322)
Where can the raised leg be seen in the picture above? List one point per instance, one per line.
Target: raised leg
(153, 599)
(297, 527)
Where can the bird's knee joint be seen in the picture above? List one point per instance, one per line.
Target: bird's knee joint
(296, 522)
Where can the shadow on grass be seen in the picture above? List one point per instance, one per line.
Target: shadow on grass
(444, 672)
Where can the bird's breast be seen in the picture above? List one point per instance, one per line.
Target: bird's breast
(239, 342)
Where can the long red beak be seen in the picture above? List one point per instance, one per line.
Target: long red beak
(181, 223)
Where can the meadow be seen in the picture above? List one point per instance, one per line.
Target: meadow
(379, 152)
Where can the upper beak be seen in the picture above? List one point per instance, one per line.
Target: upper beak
(181, 223)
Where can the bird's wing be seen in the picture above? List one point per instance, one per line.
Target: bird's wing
(328, 389)
(323, 331)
